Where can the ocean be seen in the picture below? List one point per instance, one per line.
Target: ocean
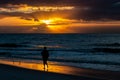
(94, 51)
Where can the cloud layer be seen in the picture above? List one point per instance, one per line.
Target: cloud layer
(83, 9)
(75, 12)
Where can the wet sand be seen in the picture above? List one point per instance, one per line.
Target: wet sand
(34, 71)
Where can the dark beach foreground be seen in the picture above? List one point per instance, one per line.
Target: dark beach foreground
(8, 72)
(21, 70)
(31, 71)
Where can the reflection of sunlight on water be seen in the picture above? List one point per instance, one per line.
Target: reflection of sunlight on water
(56, 46)
(53, 67)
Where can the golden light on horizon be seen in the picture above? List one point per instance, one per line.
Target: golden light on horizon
(55, 21)
(16, 21)
(57, 24)
(46, 21)
(53, 25)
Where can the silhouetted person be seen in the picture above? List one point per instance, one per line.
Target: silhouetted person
(45, 55)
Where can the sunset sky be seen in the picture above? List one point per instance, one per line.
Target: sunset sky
(59, 16)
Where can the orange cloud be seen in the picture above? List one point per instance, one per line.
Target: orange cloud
(24, 8)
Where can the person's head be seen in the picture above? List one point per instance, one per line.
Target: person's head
(45, 48)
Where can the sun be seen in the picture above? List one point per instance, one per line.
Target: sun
(46, 21)
(52, 21)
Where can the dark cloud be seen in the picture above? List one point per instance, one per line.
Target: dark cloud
(2, 16)
(18, 29)
(85, 9)
(46, 2)
(61, 2)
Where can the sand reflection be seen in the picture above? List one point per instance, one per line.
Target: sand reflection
(53, 67)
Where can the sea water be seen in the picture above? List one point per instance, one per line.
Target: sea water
(95, 51)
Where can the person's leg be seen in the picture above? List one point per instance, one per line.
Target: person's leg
(44, 63)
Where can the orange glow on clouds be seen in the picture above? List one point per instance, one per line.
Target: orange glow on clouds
(16, 21)
(30, 9)
(55, 25)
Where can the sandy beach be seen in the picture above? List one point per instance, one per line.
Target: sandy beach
(15, 73)
(59, 39)
(32, 71)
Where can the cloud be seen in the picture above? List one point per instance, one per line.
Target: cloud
(35, 12)
(2, 16)
(24, 8)
(71, 9)
(24, 29)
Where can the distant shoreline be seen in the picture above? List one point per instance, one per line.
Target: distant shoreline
(60, 33)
